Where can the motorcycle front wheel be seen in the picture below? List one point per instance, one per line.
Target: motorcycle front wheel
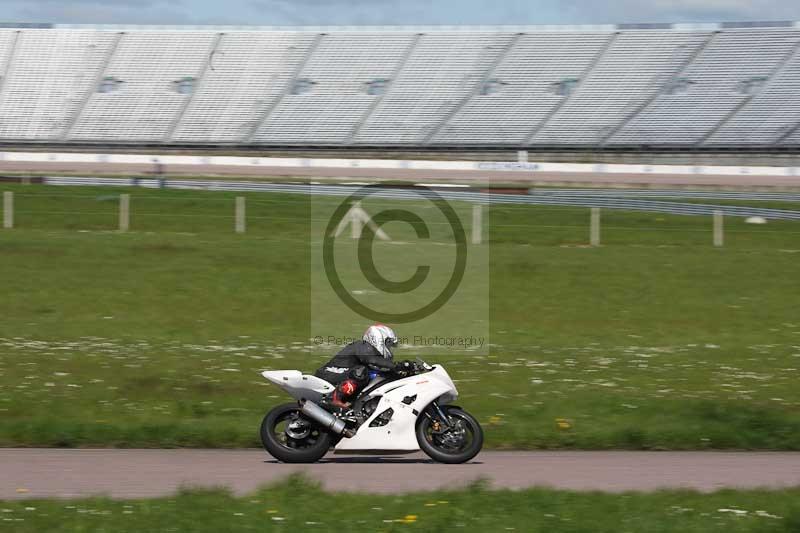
(290, 437)
(458, 443)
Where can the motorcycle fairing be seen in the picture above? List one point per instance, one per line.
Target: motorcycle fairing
(299, 385)
(399, 434)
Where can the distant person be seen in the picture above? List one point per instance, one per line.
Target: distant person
(158, 167)
(349, 369)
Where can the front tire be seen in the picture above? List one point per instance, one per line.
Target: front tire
(458, 445)
(290, 437)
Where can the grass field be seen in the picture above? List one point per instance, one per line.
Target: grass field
(156, 337)
(298, 505)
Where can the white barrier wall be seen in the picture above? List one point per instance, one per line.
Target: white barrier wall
(228, 161)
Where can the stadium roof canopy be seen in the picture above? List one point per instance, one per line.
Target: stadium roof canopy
(402, 28)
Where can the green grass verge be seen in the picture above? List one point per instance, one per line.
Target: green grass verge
(300, 505)
(156, 337)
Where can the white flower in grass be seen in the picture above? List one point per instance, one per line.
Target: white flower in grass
(737, 512)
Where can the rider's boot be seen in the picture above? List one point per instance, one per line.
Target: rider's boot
(335, 404)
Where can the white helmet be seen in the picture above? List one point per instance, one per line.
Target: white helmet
(382, 338)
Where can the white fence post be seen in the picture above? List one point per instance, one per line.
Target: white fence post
(356, 221)
(8, 210)
(241, 224)
(594, 232)
(719, 229)
(477, 224)
(124, 212)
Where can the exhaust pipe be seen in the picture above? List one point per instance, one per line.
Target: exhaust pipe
(323, 417)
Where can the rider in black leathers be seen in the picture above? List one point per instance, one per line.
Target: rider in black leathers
(349, 369)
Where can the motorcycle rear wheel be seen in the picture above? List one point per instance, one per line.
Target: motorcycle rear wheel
(306, 442)
(443, 446)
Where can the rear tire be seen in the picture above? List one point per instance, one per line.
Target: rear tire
(456, 451)
(279, 444)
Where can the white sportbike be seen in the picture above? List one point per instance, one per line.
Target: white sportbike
(393, 414)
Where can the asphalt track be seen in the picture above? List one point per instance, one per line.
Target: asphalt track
(416, 175)
(40, 473)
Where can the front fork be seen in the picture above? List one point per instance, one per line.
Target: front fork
(441, 414)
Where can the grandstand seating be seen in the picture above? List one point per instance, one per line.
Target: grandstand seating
(771, 113)
(717, 79)
(50, 74)
(147, 65)
(246, 75)
(340, 69)
(442, 69)
(526, 96)
(635, 67)
(710, 85)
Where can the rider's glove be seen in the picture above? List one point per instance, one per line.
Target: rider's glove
(405, 368)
